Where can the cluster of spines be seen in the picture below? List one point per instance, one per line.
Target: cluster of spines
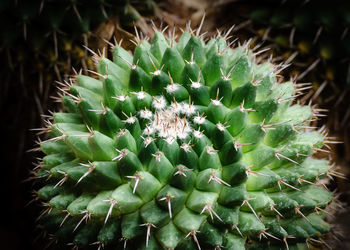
(242, 171)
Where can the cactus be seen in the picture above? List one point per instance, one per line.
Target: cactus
(183, 145)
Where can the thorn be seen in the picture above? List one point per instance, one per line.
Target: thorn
(311, 67)
(137, 178)
(246, 201)
(122, 154)
(63, 180)
(242, 109)
(249, 171)
(158, 156)
(113, 203)
(193, 234)
(264, 233)
(272, 207)
(182, 170)
(217, 179)
(211, 212)
(91, 168)
(148, 225)
(125, 241)
(278, 156)
(168, 198)
(297, 211)
(271, 126)
(280, 181)
(86, 217)
(200, 25)
(65, 217)
(239, 231)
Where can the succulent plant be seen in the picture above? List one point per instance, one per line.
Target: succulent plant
(183, 145)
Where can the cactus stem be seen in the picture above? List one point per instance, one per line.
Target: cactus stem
(168, 200)
(238, 145)
(193, 234)
(148, 234)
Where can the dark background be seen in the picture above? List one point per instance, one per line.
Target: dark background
(20, 109)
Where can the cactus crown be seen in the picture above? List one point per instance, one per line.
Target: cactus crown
(184, 144)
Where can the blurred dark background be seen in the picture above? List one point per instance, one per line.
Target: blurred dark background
(41, 40)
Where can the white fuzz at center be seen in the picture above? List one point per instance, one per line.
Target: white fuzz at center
(171, 88)
(159, 102)
(171, 121)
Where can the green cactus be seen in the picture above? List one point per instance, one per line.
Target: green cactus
(183, 145)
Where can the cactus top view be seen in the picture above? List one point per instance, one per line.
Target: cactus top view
(184, 144)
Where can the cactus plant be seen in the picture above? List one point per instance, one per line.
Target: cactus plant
(183, 145)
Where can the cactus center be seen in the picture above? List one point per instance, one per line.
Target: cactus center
(169, 121)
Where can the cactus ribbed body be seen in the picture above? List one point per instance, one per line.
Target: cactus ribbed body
(183, 145)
